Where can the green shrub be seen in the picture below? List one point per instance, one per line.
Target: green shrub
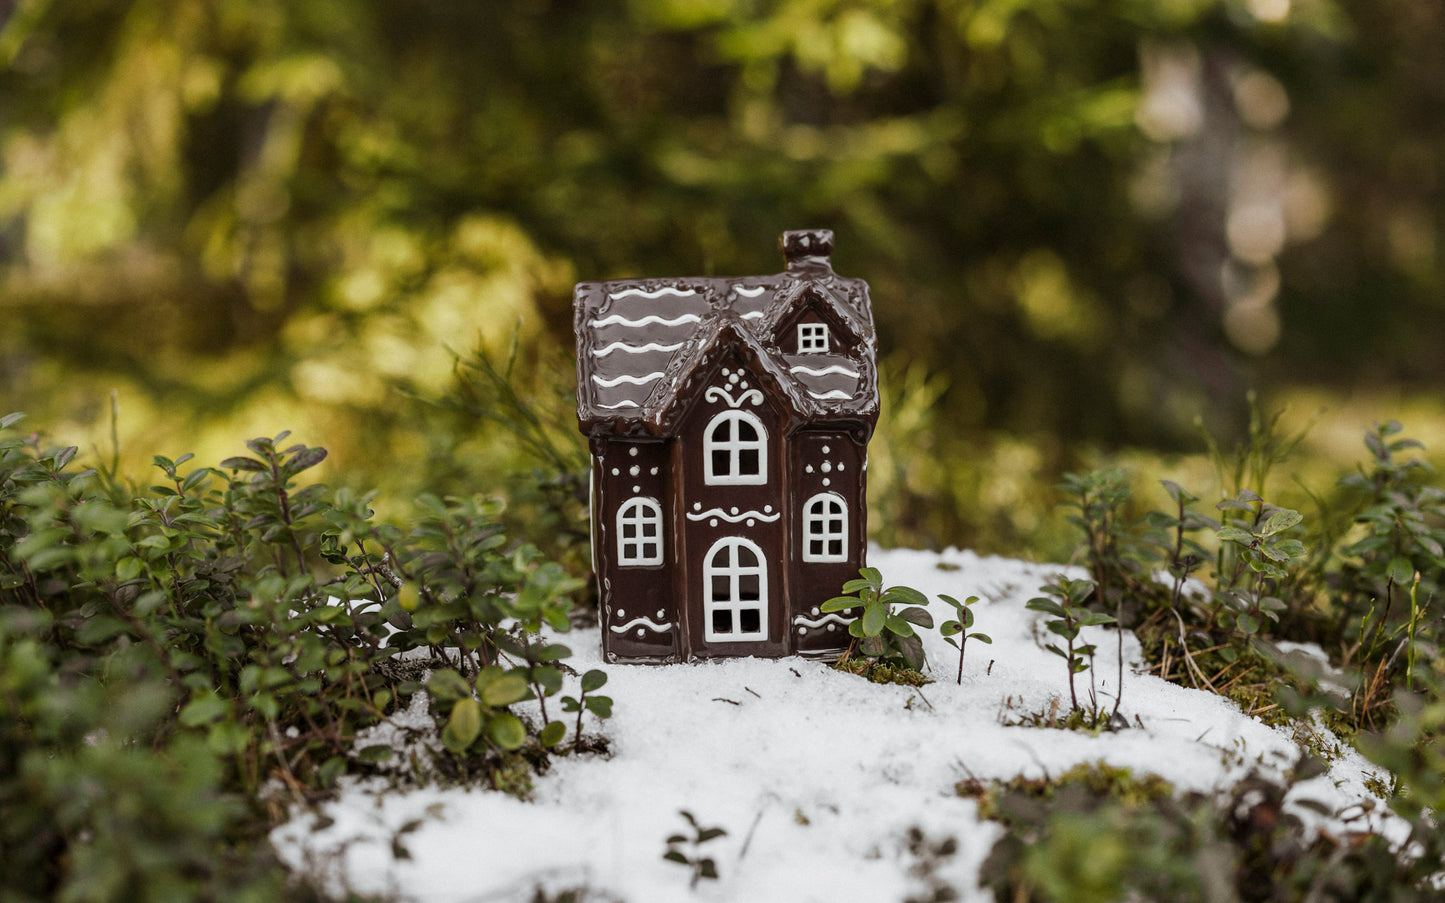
(179, 662)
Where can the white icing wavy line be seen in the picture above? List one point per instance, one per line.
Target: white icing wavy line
(650, 624)
(749, 292)
(799, 620)
(665, 290)
(825, 396)
(732, 518)
(637, 349)
(836, 368)
(621, 404)
(627, 378)
(751, 315)
(619, 319)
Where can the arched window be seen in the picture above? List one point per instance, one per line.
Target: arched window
(735, 449)
(735, 592)
(825, 528)
(639, 532)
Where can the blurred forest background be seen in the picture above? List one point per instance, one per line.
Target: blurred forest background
(1090, 227)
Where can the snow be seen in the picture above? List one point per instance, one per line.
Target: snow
(815, 774)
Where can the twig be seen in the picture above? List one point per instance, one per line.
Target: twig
(1195, 672)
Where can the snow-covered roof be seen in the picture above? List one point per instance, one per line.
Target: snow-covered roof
(645, 346)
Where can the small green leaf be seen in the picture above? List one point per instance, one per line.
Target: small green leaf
(1279, 521)
(552, 734)
(549, 678)
(128, 568)
(874, 617)
(505, 690)
(904, 595)
(506, 730)
(204, 710)
(1247, 623)
(1400, 570)
(897, 625)
(593, 680)
(601, 706)
(840, 603)
(447, 685)
(1048, 606)
(247, 464)
(981, 637)
(919, 616)
(463, 725)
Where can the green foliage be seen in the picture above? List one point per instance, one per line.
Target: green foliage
(1099, 835)
(1065, 604)
(167, 654)
(312, 198)
(686, 849)
(1254, 535)
(881, 634)
(959, 627)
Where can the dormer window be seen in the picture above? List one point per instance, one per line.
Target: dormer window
(812, 338)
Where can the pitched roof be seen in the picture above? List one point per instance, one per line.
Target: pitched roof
(644, 346)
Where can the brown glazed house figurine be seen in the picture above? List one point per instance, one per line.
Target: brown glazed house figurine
(729, 421)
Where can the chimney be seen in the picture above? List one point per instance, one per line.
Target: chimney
(807, 249)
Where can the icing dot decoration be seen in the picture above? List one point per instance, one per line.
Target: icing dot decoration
(633, 451)
(634, 470)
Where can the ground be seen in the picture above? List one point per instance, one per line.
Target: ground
(816, 775)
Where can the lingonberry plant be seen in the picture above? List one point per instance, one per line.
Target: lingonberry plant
(229, 630)
(1065, 601)
(959, 627)
(880, 633)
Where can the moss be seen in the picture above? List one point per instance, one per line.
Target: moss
(1098, 780)
(882, 673)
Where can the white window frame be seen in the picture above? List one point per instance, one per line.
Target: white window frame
(639, 516)
(812, 338)
(734, 572)
(733, 450)
(824, 526)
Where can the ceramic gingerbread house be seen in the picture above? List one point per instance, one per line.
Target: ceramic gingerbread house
(729, 421)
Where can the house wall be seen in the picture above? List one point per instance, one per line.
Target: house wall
(637, 603)
(709, 513)
(825, 462)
